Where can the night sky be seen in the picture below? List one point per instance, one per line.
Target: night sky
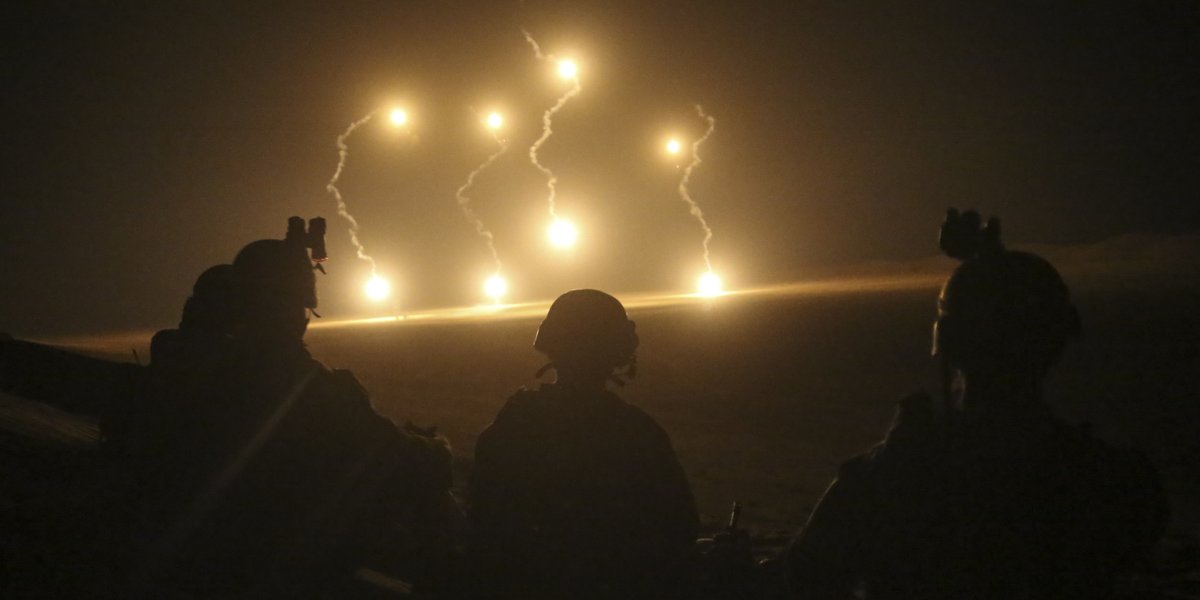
(143, 144)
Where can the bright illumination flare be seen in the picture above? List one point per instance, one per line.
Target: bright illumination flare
(673, 147)
(495, 287)
(331, 187)
(551, 180)
(398, 117)
(687, 176)
(562, 233)
(709, 285)
(464, 201)
(377, 288)
(567, 69)
(495, 121)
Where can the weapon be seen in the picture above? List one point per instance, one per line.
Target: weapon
(727, 562)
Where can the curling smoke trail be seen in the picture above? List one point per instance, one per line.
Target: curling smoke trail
(331, 187)
(551, 180)
(464, 202)
(687, 175)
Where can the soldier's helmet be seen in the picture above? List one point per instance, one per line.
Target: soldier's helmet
(275, 278)
(999, 307)
(213, 306)
(588, 327)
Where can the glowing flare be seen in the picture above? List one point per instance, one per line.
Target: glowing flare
(495, 287)
(377, 288)
(494, 121)
(709, 284)
(562, 233)
(673, 147)
(398, 117)
(567, 69)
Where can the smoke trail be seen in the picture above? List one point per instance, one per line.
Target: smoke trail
(551, 180)
(331, 187)
(687, 175)
(464, 202)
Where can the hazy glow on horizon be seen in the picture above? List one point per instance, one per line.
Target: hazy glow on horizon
(674, 146)
(398, 117)
(495, 120)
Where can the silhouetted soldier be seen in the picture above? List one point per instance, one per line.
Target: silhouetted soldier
(279, 476)
(989, 496)
(82, 515)
(574, 493)
(210, 316)
(107, 390)
(75, 507)
(247, 468)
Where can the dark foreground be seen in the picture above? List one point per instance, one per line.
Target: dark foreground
(765, 395)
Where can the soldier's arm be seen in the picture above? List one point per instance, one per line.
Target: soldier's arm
(673, 492)
(62, 379)
(498, 506)
(824, 560)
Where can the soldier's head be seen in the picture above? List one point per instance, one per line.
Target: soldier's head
(1001, 313)
(276, 285)
(213, 306)
(587, 335)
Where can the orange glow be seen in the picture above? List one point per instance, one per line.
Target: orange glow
(567, 69)
(495, 287)
(377, 288)
(709, 285)
(562, 233)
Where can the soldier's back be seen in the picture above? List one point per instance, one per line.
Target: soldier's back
(578, 494)
(280, 476)
(972, 509)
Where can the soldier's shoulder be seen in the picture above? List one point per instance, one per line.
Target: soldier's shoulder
(164, 341)
(338, 387)
(342, 380)
(860, 466)
(637, 417)
(1110, 462)
(522, 404)
(524, 396)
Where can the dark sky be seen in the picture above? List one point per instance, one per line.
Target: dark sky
(142, 144)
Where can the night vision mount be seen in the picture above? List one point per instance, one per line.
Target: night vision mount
(311, 239)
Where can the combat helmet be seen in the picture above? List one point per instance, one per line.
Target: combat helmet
(588, 326)
(999, 307)
(275, 278)
(213, 305)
